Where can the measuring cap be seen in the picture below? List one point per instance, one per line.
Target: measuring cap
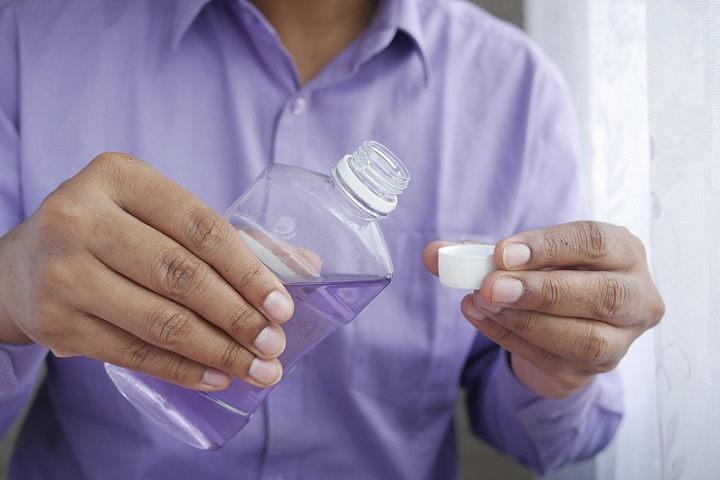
(465, 266)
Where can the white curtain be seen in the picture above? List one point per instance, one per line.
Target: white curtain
(645, 75)
(684, 101)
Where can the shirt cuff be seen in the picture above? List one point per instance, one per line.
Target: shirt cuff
(540, 415)
(19, 365)
(545, 419)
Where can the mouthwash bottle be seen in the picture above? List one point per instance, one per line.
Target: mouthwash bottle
(320, 236)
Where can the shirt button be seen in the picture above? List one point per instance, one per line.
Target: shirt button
(299, 107)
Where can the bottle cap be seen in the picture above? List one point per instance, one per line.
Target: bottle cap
(465, 266)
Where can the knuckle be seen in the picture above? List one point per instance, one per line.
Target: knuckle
(240, 321)
(234, 356)
(544, 357)
(250, 275)
(60, 216)
(552, 247)
(505, 336)
(177, 273)
(657, 311)
(135, 354)
(181, 370)
(551, 292)
(525, 322)
(115, 170)
(592, 238)
(598, 350)
(113, 163)
(105, 160)
(206, 231)
(615, 297)
(108, 165)
(169, 326)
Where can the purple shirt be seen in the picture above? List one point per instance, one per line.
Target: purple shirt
(204, 92)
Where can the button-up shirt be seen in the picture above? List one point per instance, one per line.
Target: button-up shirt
(205, 92)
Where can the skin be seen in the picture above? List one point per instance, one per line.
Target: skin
(566, 301)
(315, 31)
(122, 265)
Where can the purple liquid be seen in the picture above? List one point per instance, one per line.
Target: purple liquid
(209, 420)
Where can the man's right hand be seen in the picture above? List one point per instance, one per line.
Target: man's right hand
(122, 265)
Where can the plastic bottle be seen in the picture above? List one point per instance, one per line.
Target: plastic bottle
(319, 234)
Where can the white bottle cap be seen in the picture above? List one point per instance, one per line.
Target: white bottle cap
(465, 266)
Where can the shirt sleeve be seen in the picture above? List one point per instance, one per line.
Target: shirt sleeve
(543, 434)
(19, 364)
(540, 433)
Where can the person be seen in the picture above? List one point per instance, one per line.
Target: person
(124, 258)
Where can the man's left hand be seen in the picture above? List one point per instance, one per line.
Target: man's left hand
(566, 301)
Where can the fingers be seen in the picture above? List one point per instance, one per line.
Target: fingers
(568, 300)
(553, 364)
(168, 337)
(124, 266)
(611, 297)
(160, 264)
(594, 245)
(170, 209)
(593, 345)
(108, 343)
(172, 327)
(430, 255)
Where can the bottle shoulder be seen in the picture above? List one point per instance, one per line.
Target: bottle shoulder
(292, 173)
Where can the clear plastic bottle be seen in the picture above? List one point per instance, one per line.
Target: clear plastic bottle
(319, 234)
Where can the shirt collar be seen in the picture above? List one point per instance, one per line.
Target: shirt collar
(404, 16)
(401, 15)
(186, 11)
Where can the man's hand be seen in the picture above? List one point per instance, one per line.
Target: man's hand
(566, 301)
(122, 265)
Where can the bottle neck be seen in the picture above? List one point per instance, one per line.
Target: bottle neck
(369, 181)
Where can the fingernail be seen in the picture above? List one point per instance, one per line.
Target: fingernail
(474, 313)
(507, 290)
(270, 342)
(278, 306)
(215, 378)
(516, 255)
(489, 307)
(263, 371)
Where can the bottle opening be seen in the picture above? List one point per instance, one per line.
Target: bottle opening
(375, 175)
(383, 169)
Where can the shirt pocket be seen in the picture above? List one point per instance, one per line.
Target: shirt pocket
(411, 342)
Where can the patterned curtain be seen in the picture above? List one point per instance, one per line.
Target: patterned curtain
(645, 75)
(684, 112)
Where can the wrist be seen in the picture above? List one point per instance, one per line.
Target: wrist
(559, 385)
(9, 331)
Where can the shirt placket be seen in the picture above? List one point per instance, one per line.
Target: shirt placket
(291, 129)
(284, 427)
